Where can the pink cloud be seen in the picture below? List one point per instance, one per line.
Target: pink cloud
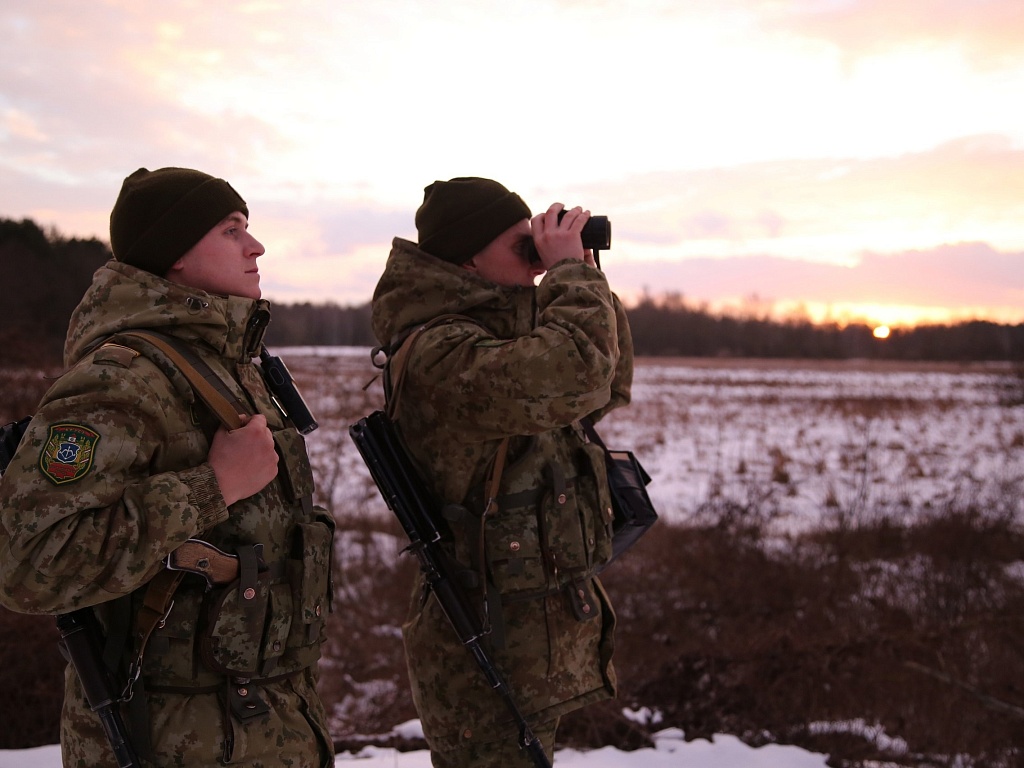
(955, 275)
(965, 184)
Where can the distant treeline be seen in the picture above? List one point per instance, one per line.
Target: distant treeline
(42, 278)
(668, 326)
(43, 275)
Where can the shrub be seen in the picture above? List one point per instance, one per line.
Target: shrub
(32, 675)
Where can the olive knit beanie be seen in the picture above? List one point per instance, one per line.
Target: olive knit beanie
(159, 215)
(459, 217)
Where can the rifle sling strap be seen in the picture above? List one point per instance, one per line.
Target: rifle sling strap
(207, 385)
(398, 360)
(494, 620)
(156, 605)
(398, 364)
(159, 595)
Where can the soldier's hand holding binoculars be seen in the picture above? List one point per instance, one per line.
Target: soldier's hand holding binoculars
(556, 235)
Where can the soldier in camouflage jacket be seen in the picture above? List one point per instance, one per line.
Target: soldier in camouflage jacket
(122, 464)
(520, 362)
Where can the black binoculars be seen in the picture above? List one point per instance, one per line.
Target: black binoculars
(596, 235)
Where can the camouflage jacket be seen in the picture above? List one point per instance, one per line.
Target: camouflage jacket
(112, 476)
(527, 364)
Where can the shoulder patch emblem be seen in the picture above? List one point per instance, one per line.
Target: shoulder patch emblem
(68, 452)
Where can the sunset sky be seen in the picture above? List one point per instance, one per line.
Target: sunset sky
(842, 159)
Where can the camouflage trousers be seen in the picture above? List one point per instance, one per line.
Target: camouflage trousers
(505, 753)
(553, 661)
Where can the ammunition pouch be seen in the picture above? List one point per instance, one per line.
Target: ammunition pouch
(232, 642)
(544, 537)
(268, 622)
(309, 575)
(550, 534)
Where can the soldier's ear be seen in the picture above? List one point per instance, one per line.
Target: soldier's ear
(470, 265)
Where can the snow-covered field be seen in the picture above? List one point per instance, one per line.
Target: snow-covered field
(800, 441)
(670, 750)
(812, 440)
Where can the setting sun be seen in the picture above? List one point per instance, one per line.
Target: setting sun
(881, 332)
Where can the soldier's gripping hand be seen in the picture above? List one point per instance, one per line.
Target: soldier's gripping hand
(556, 234)
(244, 459)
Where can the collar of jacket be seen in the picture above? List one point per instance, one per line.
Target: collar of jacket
(417, 287)
(123, 297)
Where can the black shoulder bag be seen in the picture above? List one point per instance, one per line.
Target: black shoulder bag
(633, 511)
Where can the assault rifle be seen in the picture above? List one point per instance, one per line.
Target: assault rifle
(79, 639)
(407, 496)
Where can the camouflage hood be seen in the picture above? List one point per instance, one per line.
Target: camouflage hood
(123, 297)
(417, 287)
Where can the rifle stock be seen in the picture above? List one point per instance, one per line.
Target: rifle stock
(408, 497)
(78, 637)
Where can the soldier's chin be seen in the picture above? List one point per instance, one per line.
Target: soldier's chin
(253, 289)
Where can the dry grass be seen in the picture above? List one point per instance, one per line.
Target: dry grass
(32, 677)
(846, 638)
(913, 629)
(866, 637)
(22, 389)
(810, 364)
